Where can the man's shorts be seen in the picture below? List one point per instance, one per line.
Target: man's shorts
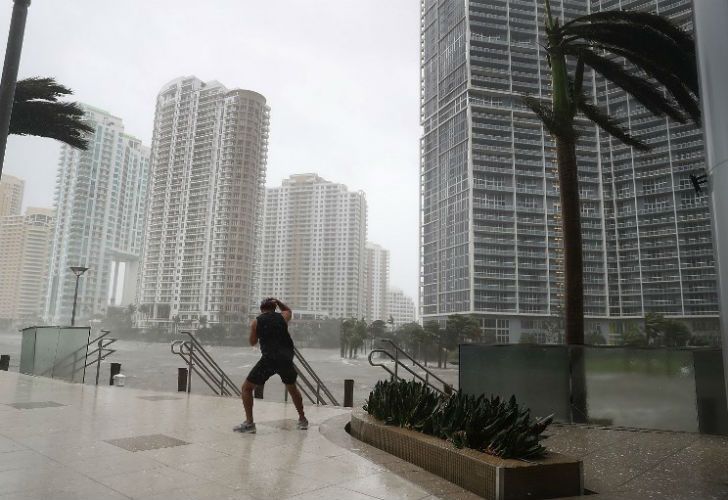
(267, 367)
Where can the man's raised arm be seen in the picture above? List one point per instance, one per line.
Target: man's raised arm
(285, 310)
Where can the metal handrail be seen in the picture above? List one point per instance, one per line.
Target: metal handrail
(200, 362)
(319, 383)
(195, 364)
(447, 388)
(66, 361)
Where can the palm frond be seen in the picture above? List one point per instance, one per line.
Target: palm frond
(640, 19)
(610, 125)
(546, 113)
(37, 111)
(641, 89)
(677, 88)
(637, 44)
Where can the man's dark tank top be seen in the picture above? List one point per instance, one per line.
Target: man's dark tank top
(275, 341)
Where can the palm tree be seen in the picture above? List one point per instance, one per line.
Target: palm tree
(38, 111)
(659, 72)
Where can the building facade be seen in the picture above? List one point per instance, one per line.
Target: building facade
(100, 203)
(25, 242)
(376, 282)
(209, 154)
(11, 195)
(401, 308)
(314, 246)
(490, 203)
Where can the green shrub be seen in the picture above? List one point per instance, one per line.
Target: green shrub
(491, 425)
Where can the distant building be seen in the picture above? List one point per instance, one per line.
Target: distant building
(25, 242)
(490, 211)
(313, 254)
(401, 307)
(376, 274)
(209, 154)
(100, 203)
(11, 195)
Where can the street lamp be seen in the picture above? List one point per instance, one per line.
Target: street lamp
(78, 271)
(10, 71)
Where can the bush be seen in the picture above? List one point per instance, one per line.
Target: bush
(491, 425)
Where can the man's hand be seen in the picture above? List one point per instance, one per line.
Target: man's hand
(285, 310)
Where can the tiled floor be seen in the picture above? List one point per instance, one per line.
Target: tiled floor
(623, 464)
(82, 442)
(120, 443)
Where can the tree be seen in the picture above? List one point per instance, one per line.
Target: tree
(654, 325)
(660, 73)
(461, 327)
(202, 321)
(633, 337)
(434, 334)
(377, 329)
(175, 322)
(595, 338)
(675, 333)
(38, 111)
(413, 335)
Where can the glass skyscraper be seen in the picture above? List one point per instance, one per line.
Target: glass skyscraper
(490, 217)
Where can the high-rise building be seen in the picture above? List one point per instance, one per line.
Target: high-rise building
(100, 202)
(313, 255)
(25, 242)
(209, 154)
(490, 204)
(11, 195)
(401, 307)
(376, 281)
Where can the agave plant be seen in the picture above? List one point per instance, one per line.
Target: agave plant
(644, 54)
(492, 425)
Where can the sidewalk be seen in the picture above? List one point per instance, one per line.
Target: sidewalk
(70, 441)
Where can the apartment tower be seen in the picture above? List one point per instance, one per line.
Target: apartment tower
(25, 242)
(100, 208)
(376, 282)
(209, 154)
(314, 247)
(11, 195)
(400, 307)
(489, 192)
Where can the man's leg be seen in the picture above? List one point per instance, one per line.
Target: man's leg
(297, 399)
(247, 395)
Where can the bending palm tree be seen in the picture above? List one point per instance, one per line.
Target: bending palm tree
(37, 111)
(660, 73)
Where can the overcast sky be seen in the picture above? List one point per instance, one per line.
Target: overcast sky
(341, 78)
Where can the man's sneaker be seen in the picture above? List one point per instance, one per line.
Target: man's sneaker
(302, 424)
(245, 427)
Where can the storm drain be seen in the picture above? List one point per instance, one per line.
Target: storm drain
(32, 405)
(144, 443)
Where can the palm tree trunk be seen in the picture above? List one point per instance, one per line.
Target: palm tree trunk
(571, 234)
(573, 275)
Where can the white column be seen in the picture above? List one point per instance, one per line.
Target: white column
(711, 19)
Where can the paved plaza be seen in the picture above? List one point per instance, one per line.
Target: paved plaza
(73, 441)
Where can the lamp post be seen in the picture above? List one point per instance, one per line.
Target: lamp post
(10, 71)
(78, 271)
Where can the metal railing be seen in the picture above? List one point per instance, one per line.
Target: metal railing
(199, 361)
(397, 357)
(78, 361)
(101, 351)
(312, 388)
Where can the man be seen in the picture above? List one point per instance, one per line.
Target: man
(276, 346)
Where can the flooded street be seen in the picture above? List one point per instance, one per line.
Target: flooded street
(152, 366)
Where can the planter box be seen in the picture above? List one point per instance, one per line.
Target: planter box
(485, 475)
